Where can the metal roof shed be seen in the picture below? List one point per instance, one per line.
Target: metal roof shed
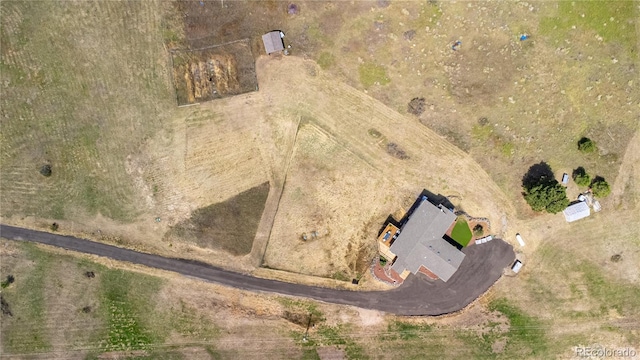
(273, 42)
(577, 211)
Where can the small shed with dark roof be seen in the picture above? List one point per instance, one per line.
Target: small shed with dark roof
(273, 41)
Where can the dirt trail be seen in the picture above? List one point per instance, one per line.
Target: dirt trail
(629, 173)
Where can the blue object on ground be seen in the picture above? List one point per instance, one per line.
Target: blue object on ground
(456, 45)
(524, 37)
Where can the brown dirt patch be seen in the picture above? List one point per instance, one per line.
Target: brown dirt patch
(213, 73)
(219, 22)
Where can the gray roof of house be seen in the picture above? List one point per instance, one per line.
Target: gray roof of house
(272, 42)
(576, 211)
(421, 243)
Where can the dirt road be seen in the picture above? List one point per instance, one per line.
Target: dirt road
(481, 268)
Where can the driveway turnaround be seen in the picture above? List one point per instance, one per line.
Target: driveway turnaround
(418, 295)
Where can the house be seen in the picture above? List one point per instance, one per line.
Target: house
(273, 41)
(577, 211)
(420, 245)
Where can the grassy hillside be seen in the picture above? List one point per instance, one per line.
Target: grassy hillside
(83, 85)
(68, 305)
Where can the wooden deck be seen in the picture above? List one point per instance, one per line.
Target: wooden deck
(386, 238)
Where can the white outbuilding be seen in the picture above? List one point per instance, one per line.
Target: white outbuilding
(577, 211)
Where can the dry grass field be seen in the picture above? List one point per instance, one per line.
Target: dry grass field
(88, 89)
(343, 183)
(80, 93)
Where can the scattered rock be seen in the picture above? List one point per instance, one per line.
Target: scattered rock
(616, 258)
(292, 9)
(409, 35)
(86, 309)
(90, 274)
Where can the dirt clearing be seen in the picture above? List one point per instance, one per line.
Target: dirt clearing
(213, 72)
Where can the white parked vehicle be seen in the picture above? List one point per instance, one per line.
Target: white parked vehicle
(519, 238)
(516, 266)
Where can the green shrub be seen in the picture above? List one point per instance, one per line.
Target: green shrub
(45, 170)
(8, 281)
(581, 177)
(586, 145)
(478, 230)
(600, 187)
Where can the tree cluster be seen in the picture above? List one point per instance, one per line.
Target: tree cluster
(599, 186)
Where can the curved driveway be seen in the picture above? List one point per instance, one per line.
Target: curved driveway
(418, 295)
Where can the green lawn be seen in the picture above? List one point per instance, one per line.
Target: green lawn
(461, 232)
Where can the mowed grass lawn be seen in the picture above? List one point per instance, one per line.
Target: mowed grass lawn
(461, 232)
(57, 308)
(83, 85)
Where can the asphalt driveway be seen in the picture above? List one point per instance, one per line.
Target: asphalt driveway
(418, 295)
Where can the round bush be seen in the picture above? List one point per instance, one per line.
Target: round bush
(45, 170)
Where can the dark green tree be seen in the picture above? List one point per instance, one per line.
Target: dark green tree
(542, 191)
(586, 145)
(547, 196)
(581, 177)
(600, 187)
